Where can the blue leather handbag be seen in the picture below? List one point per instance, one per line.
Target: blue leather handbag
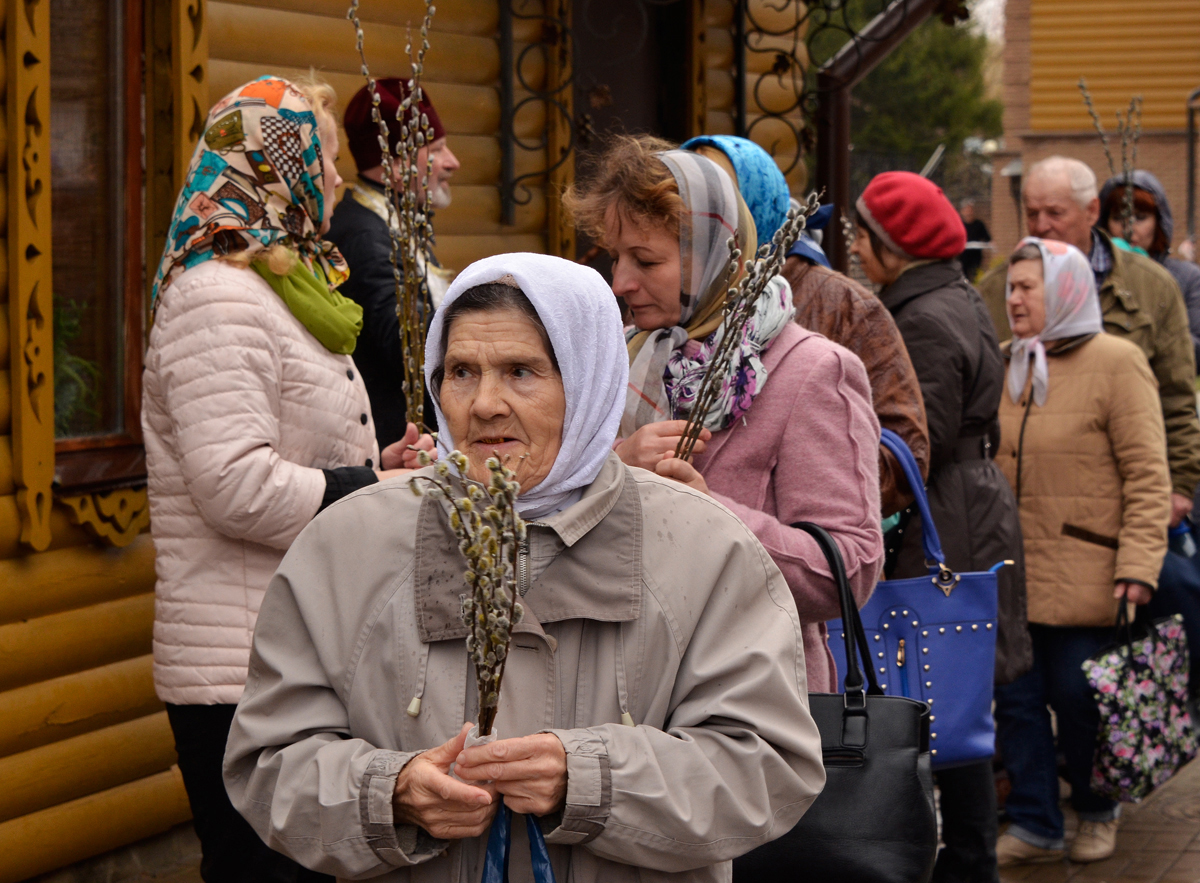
(933, 638)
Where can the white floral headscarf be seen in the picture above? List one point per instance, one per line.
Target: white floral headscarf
(1072, 310)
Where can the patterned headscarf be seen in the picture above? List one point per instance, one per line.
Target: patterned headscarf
(1072, 310)
(668, 364)
(255, 179)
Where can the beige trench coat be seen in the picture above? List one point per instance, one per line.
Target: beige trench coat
(644, 597)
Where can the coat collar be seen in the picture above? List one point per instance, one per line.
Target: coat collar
(918, 281)
(1053, 347)
(597, 576)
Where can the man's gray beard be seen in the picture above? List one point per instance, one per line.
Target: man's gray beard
(439, 197)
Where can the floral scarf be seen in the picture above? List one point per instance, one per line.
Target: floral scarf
(667, 364)
(1072, 309)
(255, 179)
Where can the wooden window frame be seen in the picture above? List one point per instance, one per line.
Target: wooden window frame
(117, 459)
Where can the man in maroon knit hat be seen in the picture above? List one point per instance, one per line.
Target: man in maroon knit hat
(359, 230)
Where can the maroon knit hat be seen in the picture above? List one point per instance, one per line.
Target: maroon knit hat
(362, 132)
(912, 216)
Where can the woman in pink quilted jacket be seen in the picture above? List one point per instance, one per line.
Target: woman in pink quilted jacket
(254, 418)
(793, 436)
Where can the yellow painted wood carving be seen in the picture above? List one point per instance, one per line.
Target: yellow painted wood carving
(30, 307)
(116, 517)
(189, 79)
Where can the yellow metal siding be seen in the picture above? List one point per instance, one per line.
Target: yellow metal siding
(1150, 48)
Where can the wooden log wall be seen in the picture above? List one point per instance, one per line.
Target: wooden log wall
(462, 75)
(774, 94)
(86, 755)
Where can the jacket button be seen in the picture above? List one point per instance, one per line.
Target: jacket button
(370, 463)
(362, 418)
(349, 374)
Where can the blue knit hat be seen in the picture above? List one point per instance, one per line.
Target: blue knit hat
(759, 180)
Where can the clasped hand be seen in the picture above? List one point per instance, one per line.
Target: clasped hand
(653, 447)
(530, 773)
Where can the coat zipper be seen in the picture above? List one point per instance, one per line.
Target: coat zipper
(523, 566)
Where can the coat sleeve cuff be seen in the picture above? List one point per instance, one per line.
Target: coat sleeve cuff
(589, 788)
(398, 845)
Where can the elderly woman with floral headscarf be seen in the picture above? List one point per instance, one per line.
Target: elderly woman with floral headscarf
(253, 415)
(793, 436)
(653, 717)
(1083, 445)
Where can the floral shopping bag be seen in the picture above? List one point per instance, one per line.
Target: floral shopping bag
(1140, 685)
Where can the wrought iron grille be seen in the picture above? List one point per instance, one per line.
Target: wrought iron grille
(514, 74)
(799, 37)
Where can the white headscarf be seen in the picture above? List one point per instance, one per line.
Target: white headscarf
(584, 324)
(1072, 309)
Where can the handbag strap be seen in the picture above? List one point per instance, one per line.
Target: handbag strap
(853, 634)
(929, 534)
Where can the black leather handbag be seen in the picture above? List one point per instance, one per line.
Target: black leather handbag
(874, 821)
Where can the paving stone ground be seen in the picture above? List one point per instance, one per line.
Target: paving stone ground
(1158, 842)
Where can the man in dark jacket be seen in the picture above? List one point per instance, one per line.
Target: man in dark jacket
(1139, 299)
(360, 231)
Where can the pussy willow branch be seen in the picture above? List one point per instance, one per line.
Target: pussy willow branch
(1129, 129)
(408, 224)
(490, 533)
(1087, 99)
(740, 306)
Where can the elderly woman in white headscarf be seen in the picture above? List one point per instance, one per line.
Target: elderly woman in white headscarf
(793, 435)
(653, 714)
(1084, 448)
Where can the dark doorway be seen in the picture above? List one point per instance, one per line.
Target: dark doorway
(631, 76)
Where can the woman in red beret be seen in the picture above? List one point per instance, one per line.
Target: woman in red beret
(908, 236)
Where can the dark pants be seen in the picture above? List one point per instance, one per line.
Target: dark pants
(1027, 740)
(968, 825)
(232, 852)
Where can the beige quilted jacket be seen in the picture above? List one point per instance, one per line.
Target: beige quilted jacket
(241, 409)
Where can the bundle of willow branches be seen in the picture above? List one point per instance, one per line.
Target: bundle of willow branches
(1129, 128)
(490, 533)
(408, 223)
(740, 305)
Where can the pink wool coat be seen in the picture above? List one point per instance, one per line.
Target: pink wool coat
(807, 450)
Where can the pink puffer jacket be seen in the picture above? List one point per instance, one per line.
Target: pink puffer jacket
(241, 409)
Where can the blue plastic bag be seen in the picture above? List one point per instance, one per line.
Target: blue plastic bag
(495, 862)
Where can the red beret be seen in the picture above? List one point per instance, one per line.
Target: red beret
(362, 132)
(912, 216)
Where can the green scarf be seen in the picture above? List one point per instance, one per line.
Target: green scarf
(332, 318)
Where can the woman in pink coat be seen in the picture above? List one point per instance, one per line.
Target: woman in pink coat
(793, 435)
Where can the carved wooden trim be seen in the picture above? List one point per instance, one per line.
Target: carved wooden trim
(560, 230)
(189, 79)
(116, 517)
(30, 307)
